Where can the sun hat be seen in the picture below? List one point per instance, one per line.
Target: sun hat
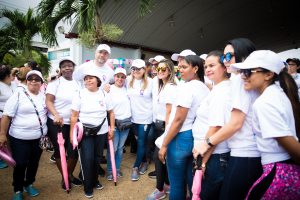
(103, 47)
(265, 59)
(157, 58)
(35, 72)
(120, 70)
(91, 71)
(138, 63)
(184, 53)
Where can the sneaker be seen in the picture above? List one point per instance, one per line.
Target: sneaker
(31, 191)
(101, 171)
(52, 159)
(135, 174)
(167, 188)
(143, 168)
(88, 195)
(152, 174)
(3, 164)
(76, 182)
(156, 194)
(18, 196)
(109, 176)
(119, 174)
(98, 186)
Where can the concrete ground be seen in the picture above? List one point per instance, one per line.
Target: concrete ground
(48, 182)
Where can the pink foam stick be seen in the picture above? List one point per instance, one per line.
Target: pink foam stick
(7, 157)
(112, 159)
(196, 188)
(62, 151)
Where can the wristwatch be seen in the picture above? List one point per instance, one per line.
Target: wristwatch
(208, 142)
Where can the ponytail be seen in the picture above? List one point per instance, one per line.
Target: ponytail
(290, 88)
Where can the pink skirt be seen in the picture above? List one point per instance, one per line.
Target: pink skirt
(283, 185)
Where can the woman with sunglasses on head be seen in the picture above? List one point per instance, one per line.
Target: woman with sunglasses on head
(25, 117)
(163, 98)
(91, 106)
(122, 111)
(139, 87)
(276, 124)
(177, 146)
(212, 114)
(59, 96)
(244, 165)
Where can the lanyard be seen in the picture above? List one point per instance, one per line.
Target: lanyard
(36, 111)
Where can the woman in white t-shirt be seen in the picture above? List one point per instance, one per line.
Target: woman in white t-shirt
(163, 97)
(244, 166)
(6, 90)
(276, 124)
(26, 110)
(90, 107)
(139, 88)
(59, 96)
(122, 111)
(177, 145)
(212, 114)
(293, 70)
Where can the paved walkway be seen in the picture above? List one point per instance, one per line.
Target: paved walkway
(48, 182)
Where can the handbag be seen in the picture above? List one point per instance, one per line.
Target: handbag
(123, 124)
(92, 131)
(159, 125)
(44, 142)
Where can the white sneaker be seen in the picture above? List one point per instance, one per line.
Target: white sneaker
(135, 174)
(156, 194)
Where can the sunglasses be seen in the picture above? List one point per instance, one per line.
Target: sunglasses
(136, 69)
(161, 69)
(120, 76)
(34, 79)
(248, 72)
(228, 56)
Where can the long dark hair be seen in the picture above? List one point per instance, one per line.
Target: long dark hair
(290, 88)
(194, 61)
(243, 47)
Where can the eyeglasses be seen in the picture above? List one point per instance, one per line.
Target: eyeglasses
(34, 79)
(136, 69)
(248, 72)
(161, 69)
(120, 76)
(228, 56)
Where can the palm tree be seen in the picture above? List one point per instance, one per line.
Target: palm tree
(16, 36)
(86, 12)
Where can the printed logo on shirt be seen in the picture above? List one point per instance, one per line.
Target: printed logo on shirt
(141, 92)
(101, 103)
(103, 78)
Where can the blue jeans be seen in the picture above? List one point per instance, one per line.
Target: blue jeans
(240, 175)
(179, 164)
(214, 176)
(119, 141)
(142, 131)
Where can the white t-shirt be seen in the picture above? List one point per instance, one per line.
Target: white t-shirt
(25, 123)
(92, 108)
(296, 77)
(120, 102)
(140, 101)
(106, 73)
(5, 92)
(273, 117)
(154, 96)
(243, 142)
(64, 92)
(213, 111)
(166, 96)
(189, 95)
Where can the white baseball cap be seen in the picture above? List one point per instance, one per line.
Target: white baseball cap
(138, 63)
(120, 70)
(184, 53)
(91, 71)
(157, 58)
(103, 47)
(36, 72)
(265, 59)
(203, 56)
(65, 59)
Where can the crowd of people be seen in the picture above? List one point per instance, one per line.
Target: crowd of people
(237, 109)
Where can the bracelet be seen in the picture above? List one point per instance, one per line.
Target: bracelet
(208, 142)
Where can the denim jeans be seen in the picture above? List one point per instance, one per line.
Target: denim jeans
(179, 163)
(27, 154)
(119, 141)
(240, 175)
(214, 176)
(90, 147)
(142, 131)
